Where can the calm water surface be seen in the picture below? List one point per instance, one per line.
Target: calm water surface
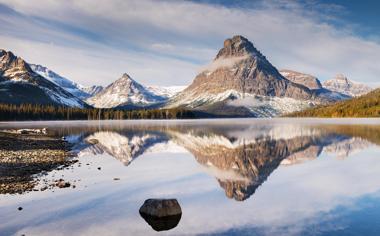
(230, 177)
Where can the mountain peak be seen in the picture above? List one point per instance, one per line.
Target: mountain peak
(124, 92)
(237, 46)
(9, 60)
(342, 77)
(342, 84)
(126, 76)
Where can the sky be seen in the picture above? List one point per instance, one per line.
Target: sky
(168, 42)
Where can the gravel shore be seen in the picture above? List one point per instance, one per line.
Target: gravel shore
(24, 157)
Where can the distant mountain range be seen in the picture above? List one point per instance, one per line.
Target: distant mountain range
(367, 105)
(339, 84)
(345, 86)
(240, 81)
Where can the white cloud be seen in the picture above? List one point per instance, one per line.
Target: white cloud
(102, 65)
(176, 36)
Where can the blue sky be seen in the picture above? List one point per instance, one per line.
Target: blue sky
(168, 42)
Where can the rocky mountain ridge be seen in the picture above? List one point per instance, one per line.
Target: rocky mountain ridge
(306, 80)
(345, 86)
(20, 84)
(76, 89)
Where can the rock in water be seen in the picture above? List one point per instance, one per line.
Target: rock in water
(161, 214)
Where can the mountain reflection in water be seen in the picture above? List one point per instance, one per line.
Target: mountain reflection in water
(240, 158)
(280, 176)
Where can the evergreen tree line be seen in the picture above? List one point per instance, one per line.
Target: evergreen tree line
(364, 106)
(10, 112)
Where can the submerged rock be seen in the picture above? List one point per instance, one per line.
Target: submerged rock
(161, 214)
(62, 184)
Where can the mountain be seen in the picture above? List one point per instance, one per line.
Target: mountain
(20, 84)
(240, 81)
(365, 106)
(70, 86)
(125, 93)
(306, 80)
(345, 86)
(92, 90)
(165, 91)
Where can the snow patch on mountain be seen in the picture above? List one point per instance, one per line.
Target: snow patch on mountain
(63, 99)
(92, 90)
(68, 85)
(260, 106)
(75, 89)
(265, 106)
(165, 91)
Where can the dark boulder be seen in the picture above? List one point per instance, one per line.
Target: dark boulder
(161, 214)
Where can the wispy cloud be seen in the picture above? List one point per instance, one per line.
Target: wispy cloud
(164, 42)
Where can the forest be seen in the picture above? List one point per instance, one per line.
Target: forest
(24, 112)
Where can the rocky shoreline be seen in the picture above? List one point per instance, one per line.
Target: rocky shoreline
(25, 156)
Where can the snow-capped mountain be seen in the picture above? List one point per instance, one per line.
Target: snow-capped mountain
(92, 90)
(306, 80)
(237, 82)
(345, 86)
(165, 91)
(70, 86)
(20, 84)
(125, 93)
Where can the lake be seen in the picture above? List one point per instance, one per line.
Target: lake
(229, 176)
